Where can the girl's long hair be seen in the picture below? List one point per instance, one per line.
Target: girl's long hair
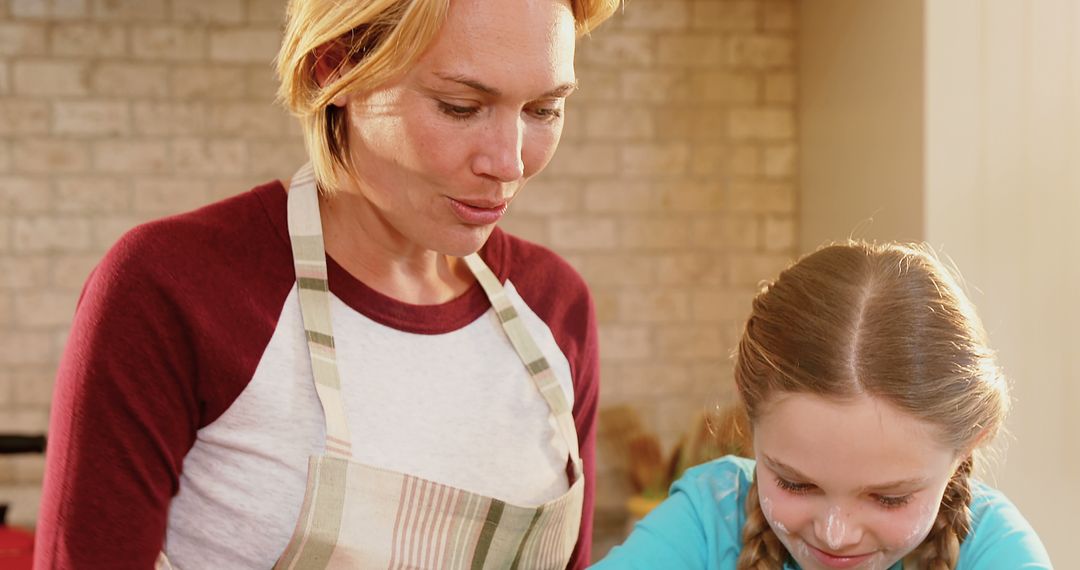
(887, 321)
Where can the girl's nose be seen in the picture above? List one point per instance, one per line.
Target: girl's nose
(838, 529)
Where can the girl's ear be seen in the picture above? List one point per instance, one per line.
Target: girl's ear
(983, 436)
(330, 63)
(969, 451)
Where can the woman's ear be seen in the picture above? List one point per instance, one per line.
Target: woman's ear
(331, 61)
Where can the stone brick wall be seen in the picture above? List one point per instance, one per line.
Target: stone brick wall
(673, 190)
(673, 193)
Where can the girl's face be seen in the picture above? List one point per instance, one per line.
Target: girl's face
(441, 152)
(853, 484)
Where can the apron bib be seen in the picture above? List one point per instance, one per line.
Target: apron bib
(358, 516)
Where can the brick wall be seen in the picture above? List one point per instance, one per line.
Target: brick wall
(672, 191)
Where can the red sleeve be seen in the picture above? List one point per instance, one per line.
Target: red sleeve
(168, 331)
(559, 296)
(124, 415)
(586, 370)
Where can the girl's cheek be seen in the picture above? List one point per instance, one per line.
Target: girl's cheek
(770, 517)
(796, 547)
(899, 533)
(878, 562)
(780, 513)
(918, 528)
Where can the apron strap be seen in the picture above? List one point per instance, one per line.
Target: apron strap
(309, 258)
(535, 361)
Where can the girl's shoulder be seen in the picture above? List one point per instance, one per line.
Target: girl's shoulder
(1000, 536)
(730, 472)
(719, 489)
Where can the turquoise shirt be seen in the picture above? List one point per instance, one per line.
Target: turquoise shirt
(700, 526)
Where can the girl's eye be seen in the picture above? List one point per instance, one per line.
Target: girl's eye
(893, 502)
(792, 487)
(458, 111)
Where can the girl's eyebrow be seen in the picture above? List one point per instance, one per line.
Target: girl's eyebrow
(902, 484)
(787, 469)
(910, 483)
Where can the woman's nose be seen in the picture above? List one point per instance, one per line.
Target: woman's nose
(500, 150)
(838, 528)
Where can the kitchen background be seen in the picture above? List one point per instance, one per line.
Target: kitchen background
(709, 143)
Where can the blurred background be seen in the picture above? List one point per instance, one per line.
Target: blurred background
(711, 141)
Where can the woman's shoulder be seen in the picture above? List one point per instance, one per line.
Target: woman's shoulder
(204, 264)
(550, 287)
(1000, 536)
(230, 230)
(526, 263)
(250, 212)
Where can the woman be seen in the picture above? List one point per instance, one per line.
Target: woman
(446, 398)
(868, 384)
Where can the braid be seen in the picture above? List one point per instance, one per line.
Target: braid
(761, 548)
(941, 549)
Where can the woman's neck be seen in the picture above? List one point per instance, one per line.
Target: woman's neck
(367, 246)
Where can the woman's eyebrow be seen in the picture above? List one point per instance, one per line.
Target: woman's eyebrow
(470, 83)
(561, 91)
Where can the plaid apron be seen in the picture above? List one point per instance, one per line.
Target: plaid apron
(357, 516)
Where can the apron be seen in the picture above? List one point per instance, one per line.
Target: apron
(359, 516)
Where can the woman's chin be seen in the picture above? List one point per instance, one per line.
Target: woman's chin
(464, 240)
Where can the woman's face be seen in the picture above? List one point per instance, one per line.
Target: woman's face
(848, 484)
(441, 152)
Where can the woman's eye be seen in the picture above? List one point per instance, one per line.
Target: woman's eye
(893, 502)
(458, 111)
(792, 487)
(546, 113)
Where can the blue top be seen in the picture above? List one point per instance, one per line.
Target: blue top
(700, 526)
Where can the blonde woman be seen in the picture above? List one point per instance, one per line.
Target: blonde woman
(355, 369)
(869, 387)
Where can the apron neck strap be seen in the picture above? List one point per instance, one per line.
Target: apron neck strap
(531, 356)
(309, 259)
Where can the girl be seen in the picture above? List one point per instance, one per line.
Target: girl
(869, 386)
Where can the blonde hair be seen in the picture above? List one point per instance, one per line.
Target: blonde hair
(382, 38)
(889, 321)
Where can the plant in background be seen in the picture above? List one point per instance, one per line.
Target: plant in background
(712, 434)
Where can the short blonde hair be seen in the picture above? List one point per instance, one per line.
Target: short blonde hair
(382, 39)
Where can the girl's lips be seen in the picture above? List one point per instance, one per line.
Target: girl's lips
(478, 213)
(834, 561)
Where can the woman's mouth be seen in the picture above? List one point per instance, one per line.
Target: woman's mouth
(835, 561)
(478, 212)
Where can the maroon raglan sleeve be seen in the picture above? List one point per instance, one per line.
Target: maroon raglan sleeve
(559, 296)
(586, 369)
(124, 414)
(168, 332)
